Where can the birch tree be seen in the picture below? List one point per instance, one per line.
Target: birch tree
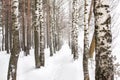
(12, 70)
(52, 26)
(86, 41)
(51, 31)
(42, 56)
(36, 33)
(74, 32)
(103, 40)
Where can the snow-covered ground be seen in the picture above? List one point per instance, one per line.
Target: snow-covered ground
(59, 67)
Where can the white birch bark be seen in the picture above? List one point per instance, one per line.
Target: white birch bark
(12, 70)
(74, 32)
(41, 20)
(36, 33)
(103, 40)
(86, 41)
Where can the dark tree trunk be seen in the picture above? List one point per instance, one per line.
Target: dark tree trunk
(23, 26)
(28, 28)
(3, 39)
(10, 26)
(6, 26)
(37, 55)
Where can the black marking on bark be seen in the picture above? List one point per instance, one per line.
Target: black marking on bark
(102, 43)
(109, 40)
(107, 21)
(96, 27)
(99, 13)
(101, 6)
(103, 30)
(108, 34)
(102, 49)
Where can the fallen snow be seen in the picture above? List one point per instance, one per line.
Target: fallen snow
(59, 67)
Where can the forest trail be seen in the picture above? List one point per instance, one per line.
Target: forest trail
(66, 70)
(59, 67)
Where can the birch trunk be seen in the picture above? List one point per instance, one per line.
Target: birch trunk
(86, 42)
(75, 30)
(12, 70)
(42, 56)
(103, 41)
(36, 34)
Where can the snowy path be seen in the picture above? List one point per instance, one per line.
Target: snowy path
(59, 67)
(66, 70)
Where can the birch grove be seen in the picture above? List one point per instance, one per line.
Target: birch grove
(40, 29)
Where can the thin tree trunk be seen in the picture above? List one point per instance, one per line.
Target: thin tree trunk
(86, 42)
(1, 18)
(23, 26)
(0, 9)
(10, 28)
(75, 30)
(51, 33)
(28, 28)
(12, 70)
(42, 46)
(3, 25)
(36, 34)
(57, 30)
(53, 25)
(6, 26)
(48, 23)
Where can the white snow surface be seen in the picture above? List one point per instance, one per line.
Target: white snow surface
(59, 67)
